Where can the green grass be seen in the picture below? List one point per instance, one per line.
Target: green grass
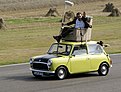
(32, 20)
(18, 44)
(28, 37)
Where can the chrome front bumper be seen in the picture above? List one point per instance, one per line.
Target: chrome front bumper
(42, 71)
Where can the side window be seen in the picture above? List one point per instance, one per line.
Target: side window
(79, 50)
(95, 49)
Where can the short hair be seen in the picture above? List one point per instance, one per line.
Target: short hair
(78, 13)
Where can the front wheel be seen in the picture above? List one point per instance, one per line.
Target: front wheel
(103, 70)
(61, 73)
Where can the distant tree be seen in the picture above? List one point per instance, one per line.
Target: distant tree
(115, 12)
(2, 24)
(108, 7)
(69, 16)
(52, 12)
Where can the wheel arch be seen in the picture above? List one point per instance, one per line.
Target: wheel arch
(104, 62)
(64, 67)
(62, 75)
(103, 69)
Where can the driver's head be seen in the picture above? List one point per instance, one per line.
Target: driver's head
(79, 15)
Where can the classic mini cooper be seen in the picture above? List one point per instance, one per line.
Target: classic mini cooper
(70, 58)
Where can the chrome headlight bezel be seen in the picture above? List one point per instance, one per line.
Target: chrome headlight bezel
(49, 62)
(31, 60)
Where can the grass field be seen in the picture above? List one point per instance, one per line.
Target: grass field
(30, 34)
(15, 5)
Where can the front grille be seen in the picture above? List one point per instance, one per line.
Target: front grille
(40, 66)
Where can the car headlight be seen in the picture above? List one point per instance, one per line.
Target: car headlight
(49, 63)
(31, 60)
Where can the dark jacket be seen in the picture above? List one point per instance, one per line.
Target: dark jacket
(87, 25)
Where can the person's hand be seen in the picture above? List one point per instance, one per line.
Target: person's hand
(63, 24)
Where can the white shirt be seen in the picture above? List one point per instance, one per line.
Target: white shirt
(79, 24)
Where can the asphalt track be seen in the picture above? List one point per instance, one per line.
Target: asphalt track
(18, 78)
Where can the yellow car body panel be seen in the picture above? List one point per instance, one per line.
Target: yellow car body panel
(79, 64)
(96, 60)
(61, 61)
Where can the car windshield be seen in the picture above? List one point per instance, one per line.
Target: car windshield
(63, 49)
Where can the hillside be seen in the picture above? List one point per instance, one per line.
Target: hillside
(13, 5)
(38, 8)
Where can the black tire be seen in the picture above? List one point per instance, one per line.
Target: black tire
(61, 73)
(103, 69)
(37, 76)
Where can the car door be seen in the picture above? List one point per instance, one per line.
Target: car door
(79, 60)
(96, 56)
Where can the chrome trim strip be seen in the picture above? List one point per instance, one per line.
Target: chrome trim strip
(39, 62)
(42, 71)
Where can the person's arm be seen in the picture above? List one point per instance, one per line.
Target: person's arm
(87, 22)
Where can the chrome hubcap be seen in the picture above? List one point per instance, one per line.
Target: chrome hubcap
(104, 70)
(61, 74)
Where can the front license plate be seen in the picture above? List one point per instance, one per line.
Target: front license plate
(38, 73)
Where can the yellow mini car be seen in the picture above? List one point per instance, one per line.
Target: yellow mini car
(70, 58)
